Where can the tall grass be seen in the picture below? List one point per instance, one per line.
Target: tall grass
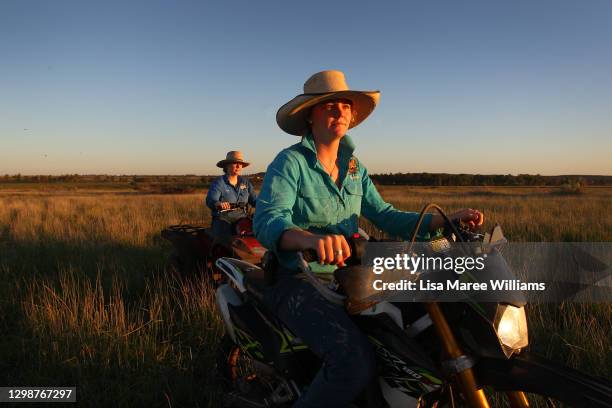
(537, 214)
(84, 299)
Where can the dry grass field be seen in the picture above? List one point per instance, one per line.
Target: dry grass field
(84, 299)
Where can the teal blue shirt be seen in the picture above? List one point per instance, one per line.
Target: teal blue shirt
(298, 193)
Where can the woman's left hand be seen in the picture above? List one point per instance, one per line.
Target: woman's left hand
(473, 218)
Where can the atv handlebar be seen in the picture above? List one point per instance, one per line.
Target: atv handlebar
(235, 206)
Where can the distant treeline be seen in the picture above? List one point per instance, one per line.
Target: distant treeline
(105, 178)
(416, 179)
(444, 179)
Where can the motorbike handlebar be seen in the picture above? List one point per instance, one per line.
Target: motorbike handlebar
(466, 234)
(357, 244)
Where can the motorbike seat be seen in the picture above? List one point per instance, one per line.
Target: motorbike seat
(255, 283)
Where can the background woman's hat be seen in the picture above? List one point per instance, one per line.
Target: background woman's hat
(235, 156)
(322, 86)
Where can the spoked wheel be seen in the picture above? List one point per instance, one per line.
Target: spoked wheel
(247, 382)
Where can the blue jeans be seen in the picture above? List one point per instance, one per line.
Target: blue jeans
(347, 355)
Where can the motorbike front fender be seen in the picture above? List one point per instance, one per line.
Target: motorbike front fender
(534, 374)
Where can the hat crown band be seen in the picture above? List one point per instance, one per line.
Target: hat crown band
(234, 155)
(324, 82)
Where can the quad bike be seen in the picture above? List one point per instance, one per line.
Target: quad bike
(428, 354)
(196, 248)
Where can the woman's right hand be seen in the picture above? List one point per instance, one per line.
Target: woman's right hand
(330, 249)
(224, 205)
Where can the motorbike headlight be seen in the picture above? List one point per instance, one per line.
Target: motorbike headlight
(511, 328)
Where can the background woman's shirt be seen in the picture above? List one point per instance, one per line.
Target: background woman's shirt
(222, 191)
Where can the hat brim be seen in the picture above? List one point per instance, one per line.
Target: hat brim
(223, 163)
(292, 117)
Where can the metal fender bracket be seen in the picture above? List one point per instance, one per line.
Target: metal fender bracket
(458, 364)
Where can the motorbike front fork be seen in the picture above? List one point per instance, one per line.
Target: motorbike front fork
(474, 396)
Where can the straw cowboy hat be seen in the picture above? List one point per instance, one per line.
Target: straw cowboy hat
(235, 156)
(322, 86)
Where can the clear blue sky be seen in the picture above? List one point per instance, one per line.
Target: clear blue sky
(168, 87)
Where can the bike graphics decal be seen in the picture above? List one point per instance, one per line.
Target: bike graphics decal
(418, 380)
(250, 346)
(289, 342)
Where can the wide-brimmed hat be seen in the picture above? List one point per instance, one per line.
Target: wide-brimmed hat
(235, 156)
(322, 86)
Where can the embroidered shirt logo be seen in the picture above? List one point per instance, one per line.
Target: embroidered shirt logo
(352, 165)
(353, 168)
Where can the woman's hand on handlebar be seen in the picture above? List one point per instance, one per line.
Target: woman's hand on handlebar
(330, 249)
(472, 218)
(224, 205)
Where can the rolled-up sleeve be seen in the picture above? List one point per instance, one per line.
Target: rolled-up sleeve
(214, 195)
(385, 216)
(276, 199)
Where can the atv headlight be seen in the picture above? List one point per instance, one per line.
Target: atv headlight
(511, 328)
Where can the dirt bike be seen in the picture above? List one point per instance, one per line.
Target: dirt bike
(428, 354)
(196, 248)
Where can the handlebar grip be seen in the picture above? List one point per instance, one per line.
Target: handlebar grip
(357, 245)
(235, 206)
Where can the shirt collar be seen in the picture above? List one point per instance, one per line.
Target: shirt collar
(226, 179)
(346, 147)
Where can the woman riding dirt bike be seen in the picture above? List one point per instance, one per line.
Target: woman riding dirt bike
(427, 354)
(312, 196)
(311, 200)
